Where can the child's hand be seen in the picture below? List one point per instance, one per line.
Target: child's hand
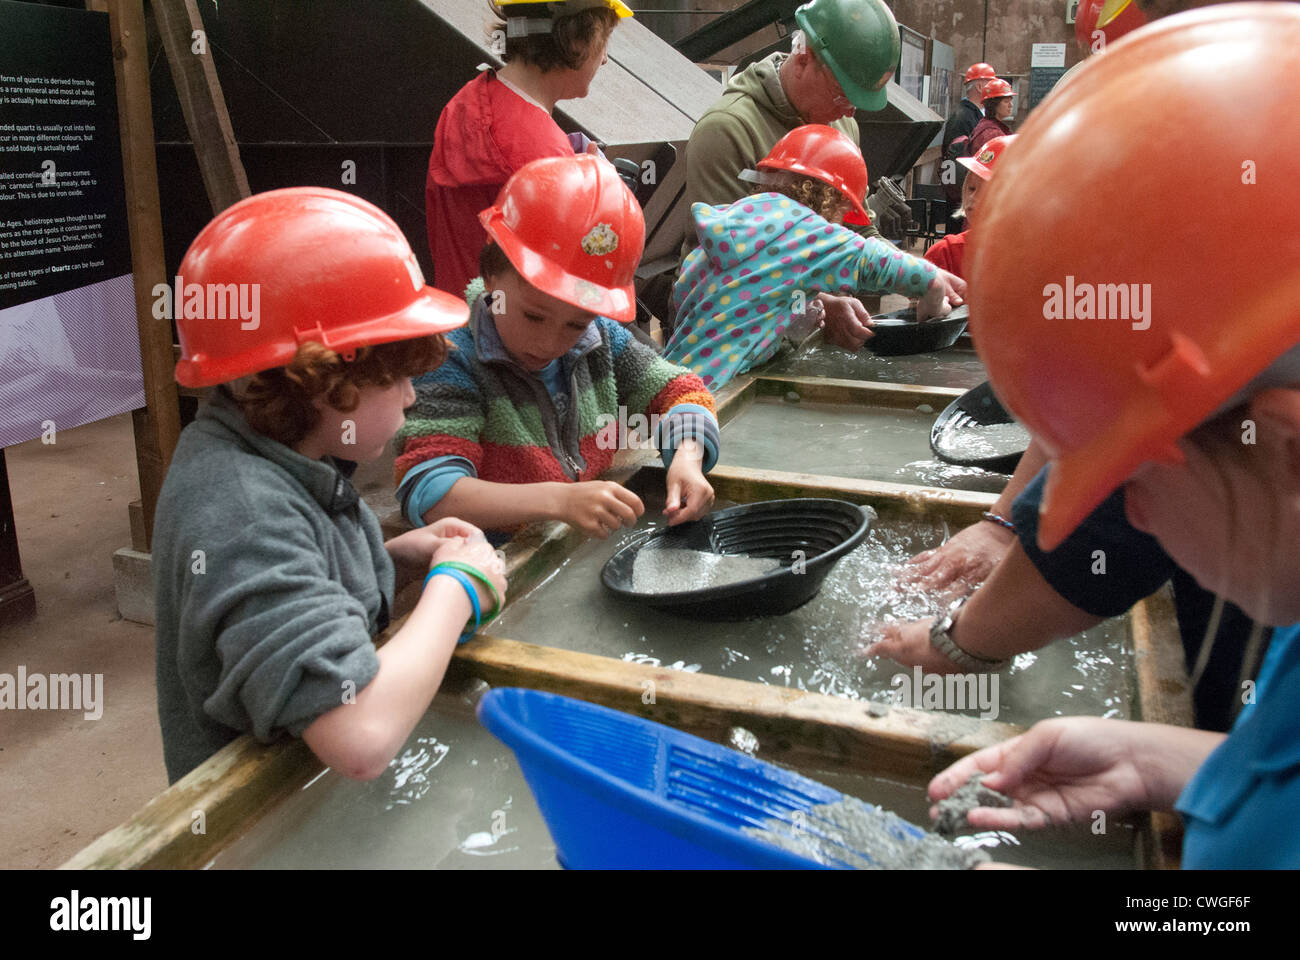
(477, 553)
(946, 290)
(599, 507)
(689, 494)
(413, 550)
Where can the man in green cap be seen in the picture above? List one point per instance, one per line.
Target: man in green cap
(841, 57)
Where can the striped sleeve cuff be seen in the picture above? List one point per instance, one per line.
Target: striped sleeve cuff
(690, 421)
(427, 483)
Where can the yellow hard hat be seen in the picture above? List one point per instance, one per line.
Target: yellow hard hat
(564, 7)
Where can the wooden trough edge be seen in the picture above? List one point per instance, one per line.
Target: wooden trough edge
(866, 392)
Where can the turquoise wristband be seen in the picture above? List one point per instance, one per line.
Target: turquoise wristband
(470, 591)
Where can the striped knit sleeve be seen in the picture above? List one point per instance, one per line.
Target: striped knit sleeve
(448, 415)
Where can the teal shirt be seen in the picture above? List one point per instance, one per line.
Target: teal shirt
(1239, 809)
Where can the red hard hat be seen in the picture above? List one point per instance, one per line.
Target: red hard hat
(1113, 18)
(989, 153)
(572, 230)
(998, 88)
(824, 153)
(979, 71)
(1105, 342)
(312, 264)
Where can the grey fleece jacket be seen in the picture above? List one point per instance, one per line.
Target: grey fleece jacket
(270, 577)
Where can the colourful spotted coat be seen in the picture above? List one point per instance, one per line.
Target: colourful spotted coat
(761, 259)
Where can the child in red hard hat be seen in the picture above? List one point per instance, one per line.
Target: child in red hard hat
(949, 252)
(546, 382)
(761, 260)
(271, 575)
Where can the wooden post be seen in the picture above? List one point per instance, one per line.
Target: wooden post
(17, 599)
(157, 426)
(202, 103)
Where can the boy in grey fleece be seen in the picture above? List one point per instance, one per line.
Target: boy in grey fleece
(271, 574)
(271, 577)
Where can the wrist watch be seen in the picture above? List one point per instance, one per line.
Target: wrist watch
(941, 639)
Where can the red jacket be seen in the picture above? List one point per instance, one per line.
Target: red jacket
(984, 131)
(485, 133)
(949, 252)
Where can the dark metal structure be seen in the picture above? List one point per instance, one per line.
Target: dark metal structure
(347, 95)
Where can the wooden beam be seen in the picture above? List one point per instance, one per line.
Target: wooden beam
(199, 91)
(1164, 696)
(905, 396)
(157, 426)
(17, 599)
(747, 484)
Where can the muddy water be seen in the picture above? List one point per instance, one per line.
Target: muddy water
(861, 442)
(957, 366)
(819, 646)
(455, 799)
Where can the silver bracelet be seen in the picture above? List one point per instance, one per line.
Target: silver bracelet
(942, 641)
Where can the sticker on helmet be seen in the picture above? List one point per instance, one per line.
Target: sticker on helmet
(589, 295)
(600, 240)
(985, 157)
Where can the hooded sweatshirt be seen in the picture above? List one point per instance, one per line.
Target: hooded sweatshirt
(761, 261)
(485, 133)
(740, 130)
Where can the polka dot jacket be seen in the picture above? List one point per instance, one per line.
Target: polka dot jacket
(759, 263)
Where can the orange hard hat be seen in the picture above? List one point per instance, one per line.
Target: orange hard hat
(572, 230)
(1113, 18)
(824, 153)
(988, 156)
(287, 266)
(1131, 327)
(979, 71)
(998, 88)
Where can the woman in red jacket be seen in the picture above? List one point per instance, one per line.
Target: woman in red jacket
(997, 108)
(501, 120)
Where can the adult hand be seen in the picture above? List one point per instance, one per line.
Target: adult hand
(909, 644)
(1061, 771)
(599, 507)
(477, 553)
(689, 495)
(845, 320)
(968, 557)
(946, 290)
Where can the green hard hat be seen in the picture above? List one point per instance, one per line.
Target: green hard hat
(858, 40)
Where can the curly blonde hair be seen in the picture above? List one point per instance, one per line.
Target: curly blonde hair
(817, 195)
(278, 403)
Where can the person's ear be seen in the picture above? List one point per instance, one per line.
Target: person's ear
(1276, 416)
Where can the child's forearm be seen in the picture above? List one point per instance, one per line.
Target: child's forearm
(498, 506)
(359, 739)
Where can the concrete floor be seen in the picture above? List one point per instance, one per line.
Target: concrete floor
(64, 779)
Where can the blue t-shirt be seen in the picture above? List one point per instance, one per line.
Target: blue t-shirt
(1239, 808)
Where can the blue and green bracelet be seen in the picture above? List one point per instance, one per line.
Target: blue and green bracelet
(457, 571)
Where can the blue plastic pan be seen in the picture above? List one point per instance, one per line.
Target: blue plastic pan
(619, 792)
